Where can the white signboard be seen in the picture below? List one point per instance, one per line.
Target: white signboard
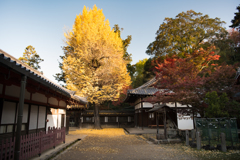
(184, 122)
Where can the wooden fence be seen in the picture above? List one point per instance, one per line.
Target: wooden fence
(32, 144)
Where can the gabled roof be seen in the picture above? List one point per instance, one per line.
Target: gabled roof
(18, 66)
(144, 90)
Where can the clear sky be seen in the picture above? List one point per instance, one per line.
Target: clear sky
(41, 23)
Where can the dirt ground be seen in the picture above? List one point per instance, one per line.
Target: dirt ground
(115, 144)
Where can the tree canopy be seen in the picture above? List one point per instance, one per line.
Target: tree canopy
(216, 105)
(138, 75)
(31, 58)
(184, 34)
(93, 63)
(236, 20)
(187, 80)
(127, 56)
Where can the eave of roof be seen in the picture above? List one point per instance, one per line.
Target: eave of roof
(143, 91)
(15, 64)
(158, 107)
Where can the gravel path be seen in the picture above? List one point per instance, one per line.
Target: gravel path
(114, 144)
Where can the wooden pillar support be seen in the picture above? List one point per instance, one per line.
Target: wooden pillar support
(20, 116)
(142, 112)
(193, 135)
(164, 121)
(187, 137)
(198, 136)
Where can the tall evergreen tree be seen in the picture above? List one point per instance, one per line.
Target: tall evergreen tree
(31, 58)
(236, 20)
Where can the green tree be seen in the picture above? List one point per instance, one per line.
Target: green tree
(184, 34)
(138, 76)
(93, 63)
(236, 20)
(216, 105)
(227, 46)
(31, 58)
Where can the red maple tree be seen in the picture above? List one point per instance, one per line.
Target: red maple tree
(187, 80)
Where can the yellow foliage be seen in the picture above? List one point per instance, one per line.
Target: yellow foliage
(93, 62)
(110, 132)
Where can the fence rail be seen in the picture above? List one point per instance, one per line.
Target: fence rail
(32, 144)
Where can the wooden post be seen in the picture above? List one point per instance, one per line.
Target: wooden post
(193, 135)
(136, 118)
(187, 137)
(157, 123)
(193, 119)
(198, 136)
(223, 143)
(40, 143)
(63, 134)
(54, 137)
(20, 116)
(142, 112)
(164, 121)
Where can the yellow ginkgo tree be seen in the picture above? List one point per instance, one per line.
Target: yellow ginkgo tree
(93, 63)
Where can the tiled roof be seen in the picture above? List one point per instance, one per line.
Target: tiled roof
(22, 68)
(145, 89)
(81, 99)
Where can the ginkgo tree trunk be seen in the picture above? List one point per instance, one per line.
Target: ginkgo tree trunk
(93, 63)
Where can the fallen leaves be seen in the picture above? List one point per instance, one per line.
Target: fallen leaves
(113, 143)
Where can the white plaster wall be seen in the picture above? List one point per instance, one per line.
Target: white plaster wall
(27, 95)
(106, 119)
(172, 104)
(53, 101)
(12, 90)
(61, 111)
(65, 120)
(1, 88)
(137, 104)
(41, 117)
(25, 113)
(184, 122)
(52, 121)
(33, 117)
(62, 104)
(59, 121)
(8, 112)
(145, 104)
(39, 97)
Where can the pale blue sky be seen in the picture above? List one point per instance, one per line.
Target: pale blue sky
(41, 23)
